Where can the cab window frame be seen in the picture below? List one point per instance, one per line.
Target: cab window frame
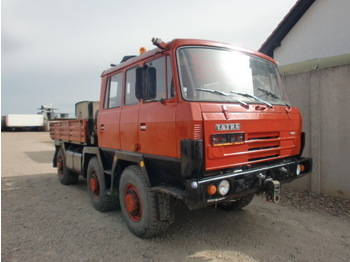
(168, 89)
(130, 101)
(112, 88)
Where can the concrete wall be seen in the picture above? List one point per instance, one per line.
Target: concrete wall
(324, 99)
(323, 31)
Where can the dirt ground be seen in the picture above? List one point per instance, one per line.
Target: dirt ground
(42, 220)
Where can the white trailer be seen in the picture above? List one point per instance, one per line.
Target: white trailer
(23, 122)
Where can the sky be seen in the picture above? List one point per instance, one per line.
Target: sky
(53, 52)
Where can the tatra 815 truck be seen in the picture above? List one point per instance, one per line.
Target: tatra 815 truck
(195, 121)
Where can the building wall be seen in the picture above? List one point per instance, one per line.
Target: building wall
(323, 31)
(324, 99)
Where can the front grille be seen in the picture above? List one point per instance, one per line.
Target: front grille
(263, 145)
(262, 136)
(258, 147)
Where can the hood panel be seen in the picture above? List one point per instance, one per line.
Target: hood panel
(268, 134)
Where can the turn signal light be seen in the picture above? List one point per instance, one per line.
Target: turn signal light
(211, 189)
(300, 168)
(227, 139)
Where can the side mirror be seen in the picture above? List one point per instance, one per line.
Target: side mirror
(146, 83)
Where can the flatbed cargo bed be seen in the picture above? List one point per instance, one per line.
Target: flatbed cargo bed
(73, 130)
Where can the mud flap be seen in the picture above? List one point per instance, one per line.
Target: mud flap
(165, 207)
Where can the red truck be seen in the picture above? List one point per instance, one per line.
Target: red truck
(195, 121)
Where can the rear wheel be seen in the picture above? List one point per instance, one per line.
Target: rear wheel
(236, 204)
(141, 207)
(65, 176)
(96, 184)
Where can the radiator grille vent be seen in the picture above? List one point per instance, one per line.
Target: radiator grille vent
(263, 145)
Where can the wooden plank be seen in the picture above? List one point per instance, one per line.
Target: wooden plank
(69, 130)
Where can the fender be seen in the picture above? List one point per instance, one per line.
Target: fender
(121, 159)
(89, 152)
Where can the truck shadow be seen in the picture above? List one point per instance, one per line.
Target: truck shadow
(42, 157)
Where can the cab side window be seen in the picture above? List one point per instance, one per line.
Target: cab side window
(159, 65)
(165, 85)
(130, 97)
(113, 93)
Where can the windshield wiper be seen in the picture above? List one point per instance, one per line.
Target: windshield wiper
(213, 91)
(274, 96)
(222, 94)
(252, 96)
(269, 93)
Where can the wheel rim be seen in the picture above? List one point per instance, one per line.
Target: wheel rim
(133, 203)
(60, 166)
(94, 186)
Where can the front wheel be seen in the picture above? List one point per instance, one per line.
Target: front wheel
(236, 204)
(141, 207)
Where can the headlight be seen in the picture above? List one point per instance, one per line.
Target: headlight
(224, 187)
(227, 139)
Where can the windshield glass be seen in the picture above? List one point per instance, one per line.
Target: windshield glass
(222, 75)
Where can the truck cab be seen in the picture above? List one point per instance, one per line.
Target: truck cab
(200, 109)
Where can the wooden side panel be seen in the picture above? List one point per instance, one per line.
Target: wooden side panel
(69, 130)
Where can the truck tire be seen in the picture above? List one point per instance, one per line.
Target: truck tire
(96, 185)
(65, 176)
(238, 204)
(141, 207)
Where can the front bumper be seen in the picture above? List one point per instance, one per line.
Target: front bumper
(244, 182)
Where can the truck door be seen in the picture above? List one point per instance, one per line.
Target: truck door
(129, 116)
(157, 117)
(109, 116)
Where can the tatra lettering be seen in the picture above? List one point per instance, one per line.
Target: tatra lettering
(225, 127)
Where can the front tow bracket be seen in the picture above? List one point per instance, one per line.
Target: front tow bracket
(272, 190)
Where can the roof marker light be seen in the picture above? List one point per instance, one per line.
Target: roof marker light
(142, 50)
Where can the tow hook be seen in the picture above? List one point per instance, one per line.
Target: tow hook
(272, 190)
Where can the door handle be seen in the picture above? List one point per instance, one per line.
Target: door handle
(102, 127)
(143, 127)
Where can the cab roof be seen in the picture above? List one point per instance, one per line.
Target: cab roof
(175, 44)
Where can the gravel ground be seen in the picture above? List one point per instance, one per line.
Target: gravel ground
(309, 201)
(41, 220)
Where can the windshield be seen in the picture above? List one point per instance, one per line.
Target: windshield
(222, 75)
